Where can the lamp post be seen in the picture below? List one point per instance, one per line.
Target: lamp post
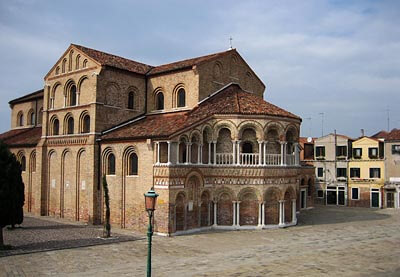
(150, 199)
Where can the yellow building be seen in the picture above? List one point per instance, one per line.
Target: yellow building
(366, 169)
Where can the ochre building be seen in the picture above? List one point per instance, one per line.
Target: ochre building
(197, 130)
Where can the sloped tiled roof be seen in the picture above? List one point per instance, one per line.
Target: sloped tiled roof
(393, 135)
(186, 63)
(380, 134)
(114, 61)
(230, 100)
(29, 97)
(22, 137)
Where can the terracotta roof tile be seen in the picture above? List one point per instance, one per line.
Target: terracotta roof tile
(22, 137)
(114, 61)
(186, 63)
(393, 135)
(231, 100)
(380, 134)
(28, 97)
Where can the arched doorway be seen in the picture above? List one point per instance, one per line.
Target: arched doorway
(272, 206)
(289, 196)
(248, 209)
(205, 213)
(180, 207)
(225, 210)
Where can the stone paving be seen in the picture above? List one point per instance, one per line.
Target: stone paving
(328, 241)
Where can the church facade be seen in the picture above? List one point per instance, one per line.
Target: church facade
(197, 130)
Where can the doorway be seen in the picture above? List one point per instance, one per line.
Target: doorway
(390, 199)
(303, 199)
(375, 198)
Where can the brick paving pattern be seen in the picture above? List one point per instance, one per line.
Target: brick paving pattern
(328, 241)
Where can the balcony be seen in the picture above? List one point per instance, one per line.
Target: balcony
(168, 155)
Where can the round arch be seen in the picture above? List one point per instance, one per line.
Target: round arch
(257, 127)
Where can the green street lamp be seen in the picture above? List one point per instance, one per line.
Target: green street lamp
(150, 199)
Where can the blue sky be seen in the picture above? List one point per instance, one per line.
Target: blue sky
(340, 58)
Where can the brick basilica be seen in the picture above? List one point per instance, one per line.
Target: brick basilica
(196, 130)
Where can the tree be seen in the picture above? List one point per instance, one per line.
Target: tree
(11, 190)
(107, 225)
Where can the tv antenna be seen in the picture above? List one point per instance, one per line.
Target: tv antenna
(322, 125)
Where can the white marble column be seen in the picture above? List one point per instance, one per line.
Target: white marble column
(234, 151)
(234, 213)
(296, 153)
(158, 152)
(199, 154)
(263, 213)
(215, 214)
(190, 153)
(187, 152)
(238, 152)
(282, 152)
(78, 97)
(265, 153)
(260, 144)
(281, 212)
(238, 213)
(215, 151)
(294, 216)
(169, 152)
(209, 153)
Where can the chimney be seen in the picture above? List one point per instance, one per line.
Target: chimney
(362, 133)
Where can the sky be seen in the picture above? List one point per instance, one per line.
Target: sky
(336, 64)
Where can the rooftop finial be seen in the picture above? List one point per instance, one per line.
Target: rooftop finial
(230, 43)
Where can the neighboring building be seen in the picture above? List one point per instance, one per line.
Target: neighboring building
(367, 174)
(332, 153)
(197, 130)
(392, 169)
(307, 187)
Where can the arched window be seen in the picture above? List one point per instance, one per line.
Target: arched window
(32, 117)
(86, 124)
(33, 162)
(72, 96)
(77, 60)
(57, 70)
(63, 65)
(20, 119)
(70, 126)
(70, 60)
(23, 163)
(84, 65)
(111, 164)
(247, 147)
(133, 164)
(40, 116)
(56, 127)
(160, 101)
(131, 100)
(181, 98)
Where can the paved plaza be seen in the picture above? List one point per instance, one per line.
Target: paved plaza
(328, 241)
